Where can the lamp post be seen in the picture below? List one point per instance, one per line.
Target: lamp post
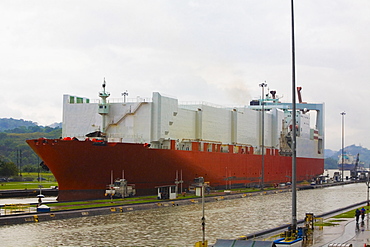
(204, 243)
(343, 114)
(263, 85)
(294, 139)
(124, 94)
(19, 161)
(367, 185)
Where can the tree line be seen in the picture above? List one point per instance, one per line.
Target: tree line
(16, 156)
(10, 123)
(30, 129)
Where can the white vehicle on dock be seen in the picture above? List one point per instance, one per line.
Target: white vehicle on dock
(120, 189)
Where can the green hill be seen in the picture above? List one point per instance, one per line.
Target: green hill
(10, 123)
(13, 146)
(331, 162)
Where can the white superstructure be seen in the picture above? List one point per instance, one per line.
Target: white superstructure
(161, 119)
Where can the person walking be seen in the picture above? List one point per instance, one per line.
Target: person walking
(357, 214)
(363, 210)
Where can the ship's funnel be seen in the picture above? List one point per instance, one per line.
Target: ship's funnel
(273, 93)
(299, 94)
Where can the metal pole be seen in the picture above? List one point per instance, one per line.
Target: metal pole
(177, 182)
(343, 114)
(17, 152)
(124, 94)
(294, 179)
(20, 162)
(203, 217)
(38, 172)
(181, 181)
(367, 185)
(111, 185)
(226, 179)
(263, 85)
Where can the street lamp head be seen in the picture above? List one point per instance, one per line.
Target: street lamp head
(263, 84)
(343, 113)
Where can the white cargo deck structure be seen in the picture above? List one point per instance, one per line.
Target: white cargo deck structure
(161, 119)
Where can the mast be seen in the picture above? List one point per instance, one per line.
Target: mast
(294, 164)
(262, 185)
(104, 107)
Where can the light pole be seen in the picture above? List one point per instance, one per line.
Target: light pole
(203, 218)
(294, 139)
(19, 161)
(124, 94)
(343, 114)
(367, 185)
(263, 85)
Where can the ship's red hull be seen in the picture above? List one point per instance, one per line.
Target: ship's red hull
(83, 169)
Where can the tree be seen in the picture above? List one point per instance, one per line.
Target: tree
(331, 163)
(8, 169)
(30, 168)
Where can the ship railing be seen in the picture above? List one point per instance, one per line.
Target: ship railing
(119, 100)
(129, 100)
(194, 104)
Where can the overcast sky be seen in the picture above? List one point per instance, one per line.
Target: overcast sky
(214, 51)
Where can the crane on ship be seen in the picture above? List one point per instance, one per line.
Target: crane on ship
(354, 171)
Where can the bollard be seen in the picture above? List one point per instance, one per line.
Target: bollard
(201, 244)
(36, 218)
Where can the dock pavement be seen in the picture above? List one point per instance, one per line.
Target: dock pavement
(343, 233)
(346, 233)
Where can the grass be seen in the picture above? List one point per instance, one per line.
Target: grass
(87, 205)
(48, 176)
(339, 218)
(325, 224)
(31, 182)
(349, 214)
(111, 202)
(26, 185)
(103, 203)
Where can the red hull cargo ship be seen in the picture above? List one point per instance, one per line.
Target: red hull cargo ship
(160, 141)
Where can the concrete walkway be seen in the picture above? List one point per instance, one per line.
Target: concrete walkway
(346, 232)
(360, 231)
